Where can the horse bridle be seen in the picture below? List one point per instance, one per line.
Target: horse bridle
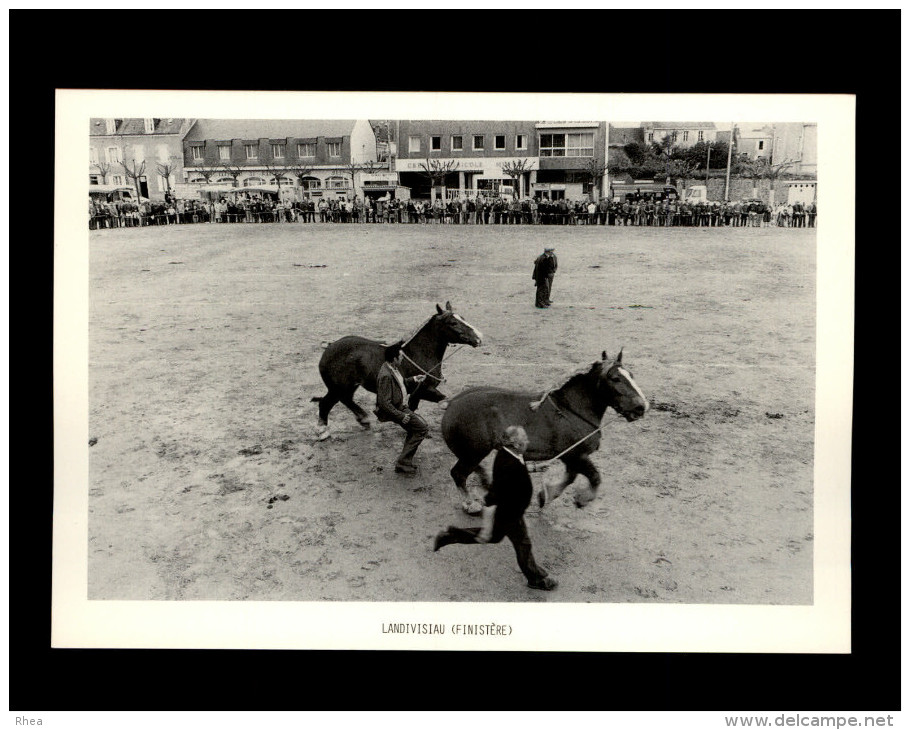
(426, 372)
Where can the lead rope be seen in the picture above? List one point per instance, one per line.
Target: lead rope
(542, 465)
(439, 364)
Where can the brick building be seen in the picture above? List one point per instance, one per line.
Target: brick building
(302, 158)
(554, 156)
(147, 146)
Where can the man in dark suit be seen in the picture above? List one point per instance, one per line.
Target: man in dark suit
(544, 270)
(392, 405)
(503, 511)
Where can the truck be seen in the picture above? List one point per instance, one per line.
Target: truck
(643, 189)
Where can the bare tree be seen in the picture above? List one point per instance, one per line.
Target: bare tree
(436, 171)
(773, 171)
(166, 169)
(104, 168)
(595, 168)
(278, 172)
(206, 172)
(515, 169)
(235, 171)
(352, 168)
(134, 171)
(754, 169)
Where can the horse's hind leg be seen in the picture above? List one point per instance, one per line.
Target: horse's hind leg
(326, 404)
(460, 473)
(362, 416)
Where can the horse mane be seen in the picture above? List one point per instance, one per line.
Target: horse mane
(570, 380)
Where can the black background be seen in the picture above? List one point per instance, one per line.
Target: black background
(740, 52)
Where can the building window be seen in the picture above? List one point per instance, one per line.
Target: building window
(286, 181)
(521, 142)
(224, 152)
(478, 141)
(253, 182)
(94, 179)
(311, 183)
(113, 155)
(578, 144)
(686, 136)
(414, 144)
(435, 143)
(149, 126)
(337, 183)
(552, 145)
(306, 149)
(117, 179)
(277, 151)
(499, 142)
(701, 136)
(92, 155)
(163, 153)
(334, 149)
(252, 151)
(223, 180)
(761, 144)
(650, 136)
(457, 143)
(198, 152)
(110, 126)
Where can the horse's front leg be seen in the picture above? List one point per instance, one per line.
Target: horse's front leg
(430, 393)
(584, 466)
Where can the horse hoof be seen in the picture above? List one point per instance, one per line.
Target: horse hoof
(543, 584)
(474, 507)
(323, 434)
(542, 497)
(583, 499)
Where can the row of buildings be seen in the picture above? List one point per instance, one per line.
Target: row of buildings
(301, 158)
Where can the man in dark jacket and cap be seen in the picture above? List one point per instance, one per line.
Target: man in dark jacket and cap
(544, 271)
(392, 405)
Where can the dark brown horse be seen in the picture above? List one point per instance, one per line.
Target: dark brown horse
(352, 361)
(566, 419)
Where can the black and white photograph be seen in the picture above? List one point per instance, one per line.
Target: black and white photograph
(427, 370)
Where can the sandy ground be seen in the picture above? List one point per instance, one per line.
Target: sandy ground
(206, 481)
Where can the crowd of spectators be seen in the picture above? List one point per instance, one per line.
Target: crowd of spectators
(464, 211)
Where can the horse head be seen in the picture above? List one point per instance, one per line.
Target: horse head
(623, 395)
(454, 329)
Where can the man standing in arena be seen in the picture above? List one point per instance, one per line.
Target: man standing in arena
(544, 271)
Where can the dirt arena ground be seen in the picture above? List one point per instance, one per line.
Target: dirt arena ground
(206, 481)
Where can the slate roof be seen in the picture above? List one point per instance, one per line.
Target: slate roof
(224, 129)
(680, 125)
(98, 127)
